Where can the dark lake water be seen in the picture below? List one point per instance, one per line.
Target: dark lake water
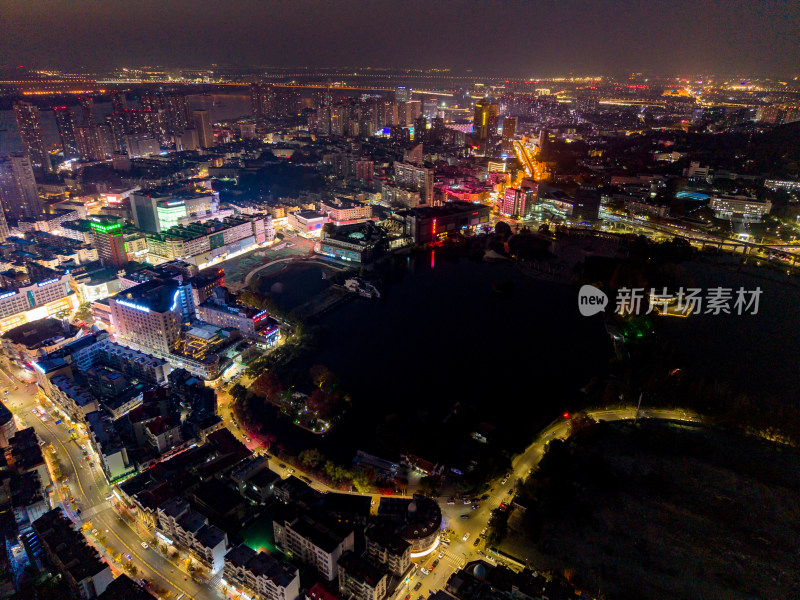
(441, 336)
(759, 354)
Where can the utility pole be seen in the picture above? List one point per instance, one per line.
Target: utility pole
(638, 408)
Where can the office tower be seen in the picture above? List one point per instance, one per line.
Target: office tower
(509, 128)
(202, 122)
(108, 239)
(18, 193)
(88, 138)
(402, 94)
(29, 124)
(65, 120)
(485, 122)
(87, 111)
(147, 317)
(509, 132)
(118, 101)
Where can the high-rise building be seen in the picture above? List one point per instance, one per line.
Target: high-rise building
(205, 133)
(65, 120)
(415, 178)
(89, 140)
(485, 122)
(509, 132)
(18, 193)
(109, 240)
(402, 94)
(87, 111)
(30, 131)
(147, 317)
(118, 101)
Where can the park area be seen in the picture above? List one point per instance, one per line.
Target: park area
(664, 510)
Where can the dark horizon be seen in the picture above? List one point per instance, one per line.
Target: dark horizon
(514, 37)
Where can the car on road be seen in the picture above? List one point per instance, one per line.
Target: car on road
(505, 481)
(476, 506)
(464, 517)
(466, 501)
(441, 554)
(485, 497)
(419, 585)
(504, 506)
(144, 545)
(306, 479)
(477, 541)
(451, 500)
(435, 564)
(281, 465)
(425, 571)
(466, 537)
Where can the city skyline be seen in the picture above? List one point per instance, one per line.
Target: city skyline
(515, 38)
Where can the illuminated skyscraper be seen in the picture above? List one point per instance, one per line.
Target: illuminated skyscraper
(65, 120)
(205, 133)
(30, 131)
(485, 122)
(18, 193)
(509, 131)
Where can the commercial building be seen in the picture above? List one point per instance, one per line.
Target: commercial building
(359, 243)
(518, 202)
(316, 542)
(85, 573)
(25, 343)
(217, 311)
(307, 223)
(18, 193)
(343, 212)
(259, 573)
(141, 144)
(427, 224)
(416, 520)
(738, 208)
(147, 317)
(36, 300)
(211, 242)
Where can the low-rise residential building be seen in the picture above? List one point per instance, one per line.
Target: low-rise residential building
(259, 573)
(85, 574)
(385, 547)
(361, 580)
(312, 540)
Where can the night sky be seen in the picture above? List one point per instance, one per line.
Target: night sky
(515, 37)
